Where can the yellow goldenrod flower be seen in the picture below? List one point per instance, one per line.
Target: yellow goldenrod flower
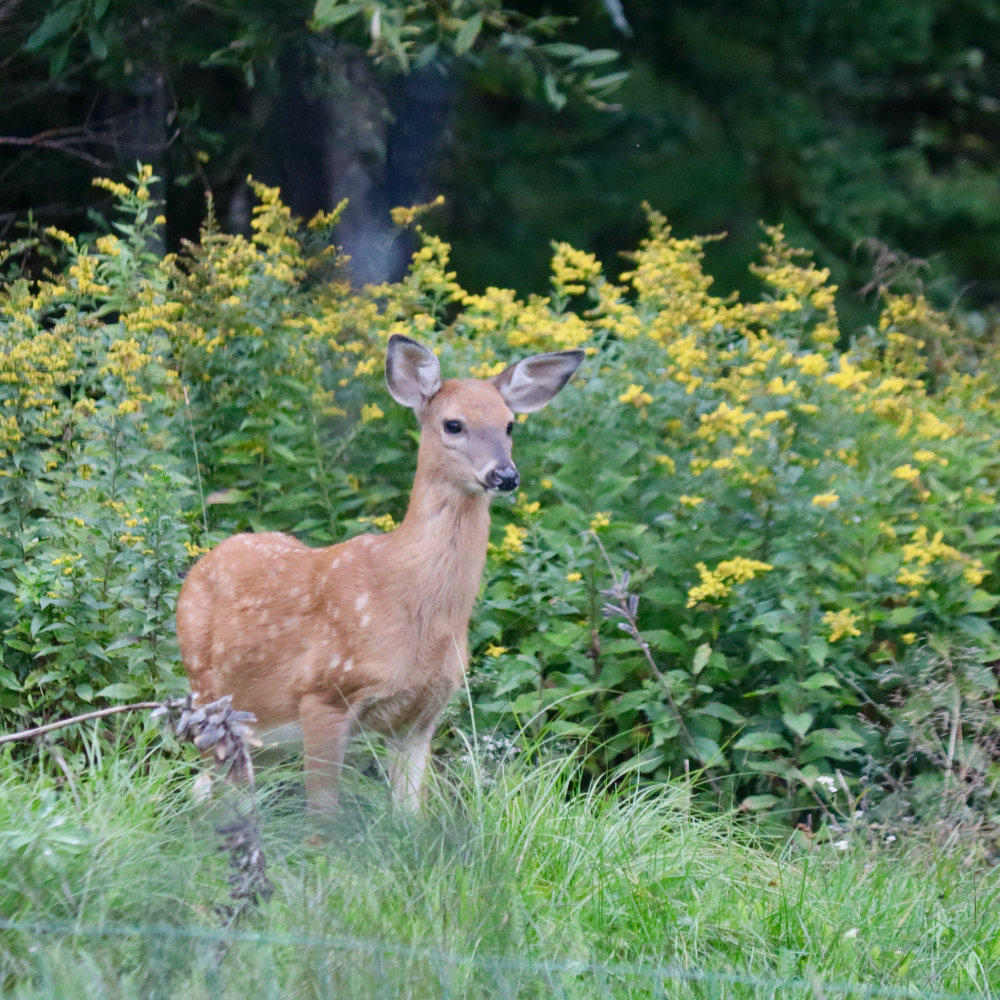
(906, 472)
(573, 271)
(370, 412)
(711, 586)
(931, 426)
(600, 520)
(741, 569)
(849, 377)
(488, 369)
(404, 217)
(779, 387)
(812, 364)
(914, 579)
(61, 235)
(825, 500)
(493, 650)
(574, 577)
(719, 582)
(116, 188)
(513, 539)
(724, 419)
(841, 623)
(636, 395)
(526, 507)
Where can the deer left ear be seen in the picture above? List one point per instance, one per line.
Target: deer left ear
(412, 372)
(530, 383)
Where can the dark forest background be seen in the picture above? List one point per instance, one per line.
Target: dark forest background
(869, 128)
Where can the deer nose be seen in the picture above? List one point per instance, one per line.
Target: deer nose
(504, 478)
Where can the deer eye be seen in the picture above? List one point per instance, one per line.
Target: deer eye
(510, 428)
(453, 427)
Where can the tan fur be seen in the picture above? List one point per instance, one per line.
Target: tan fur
(370, 633)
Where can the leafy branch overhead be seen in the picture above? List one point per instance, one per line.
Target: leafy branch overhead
(409, 36)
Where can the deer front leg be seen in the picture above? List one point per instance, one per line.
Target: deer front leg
(326, 730)
(407, 762)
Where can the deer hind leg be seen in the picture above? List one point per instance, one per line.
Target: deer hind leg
(408, 755)
(326, 730)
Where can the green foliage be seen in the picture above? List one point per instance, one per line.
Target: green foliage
(415, 35)
(808, 530)
(93, 535)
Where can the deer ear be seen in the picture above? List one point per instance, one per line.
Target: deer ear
(412, 372)
(532, 382)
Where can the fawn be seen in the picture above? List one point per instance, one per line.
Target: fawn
(370, 633)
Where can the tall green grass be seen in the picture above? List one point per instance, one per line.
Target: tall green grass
(513, 882)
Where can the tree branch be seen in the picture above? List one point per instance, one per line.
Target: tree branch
(64, 140)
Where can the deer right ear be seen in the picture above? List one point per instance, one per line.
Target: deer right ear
(530, 383)
(412, 372)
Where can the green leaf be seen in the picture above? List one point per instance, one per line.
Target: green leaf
(982, 601)
(328, 13)
(798, 722)
(563, 50)
(717, 710)
(761, 741)
(757, 803)
(9, 680)
(701, 656)
(830, 743)
(818, 649)
(56, 23)
(609, 81)
(98, 45)
(709, 752)
(659, 638)
(976, 627)
(468, 33)
(121, 643)
(902, 615)
(776, 622)
(595, 57)
(769, 649)
(553, 94)
(820, 680)
(120, 691)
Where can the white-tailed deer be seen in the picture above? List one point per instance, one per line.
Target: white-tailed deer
(371, 633)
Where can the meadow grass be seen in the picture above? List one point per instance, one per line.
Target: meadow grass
(513, 882)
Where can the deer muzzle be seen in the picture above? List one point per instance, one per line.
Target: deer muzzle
(502, 479)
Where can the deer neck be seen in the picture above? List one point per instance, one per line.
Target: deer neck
(442, 545)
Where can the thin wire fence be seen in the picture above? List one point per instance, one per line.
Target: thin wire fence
(387, 968)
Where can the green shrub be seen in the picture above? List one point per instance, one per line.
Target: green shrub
(807, 523)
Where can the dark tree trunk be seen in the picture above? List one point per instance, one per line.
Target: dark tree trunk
(336, 132)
